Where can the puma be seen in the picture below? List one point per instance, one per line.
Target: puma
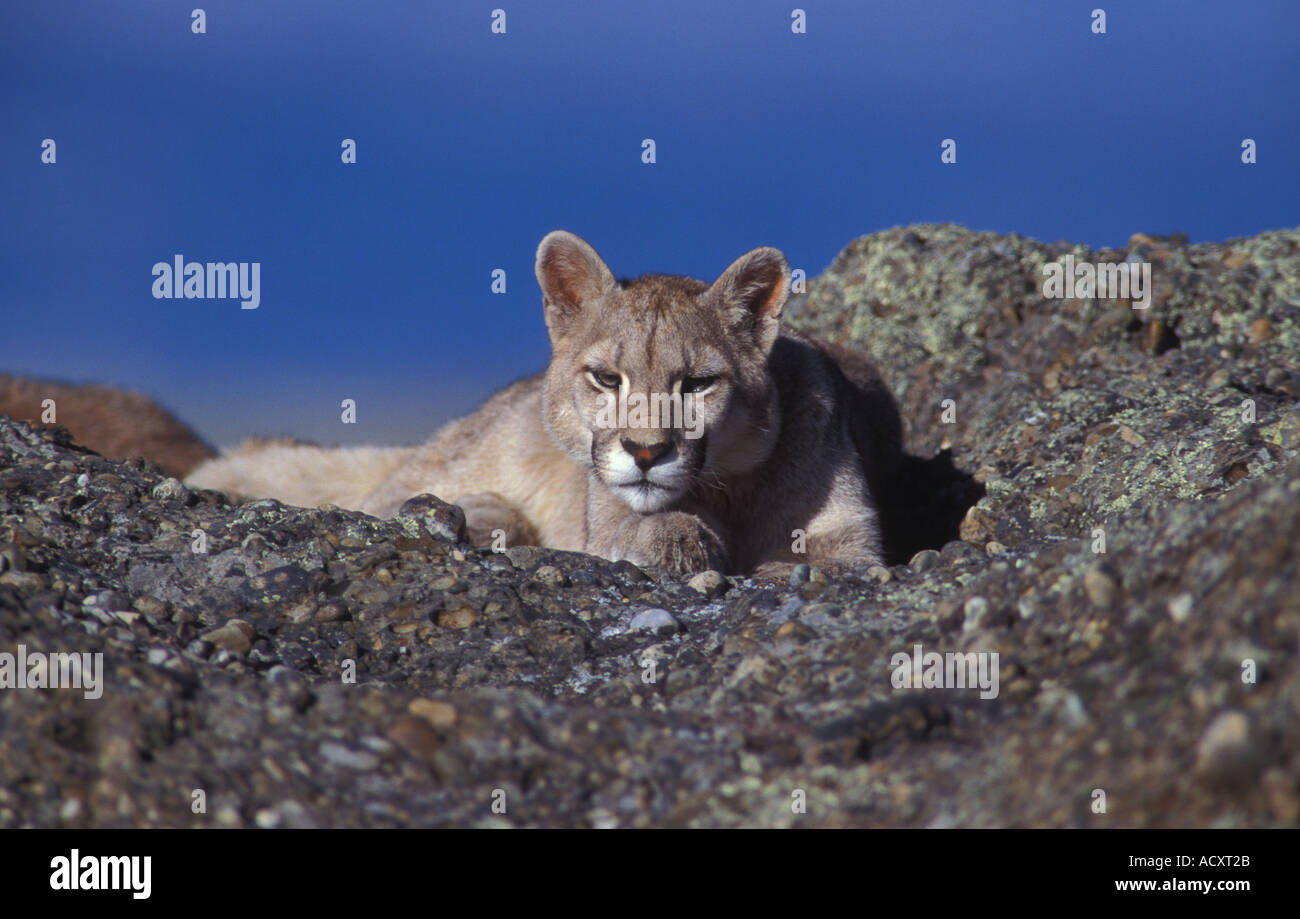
(776, 449)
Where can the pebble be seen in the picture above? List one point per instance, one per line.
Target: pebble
(1180, 608)
(446, 521)
(334, 611)
(550, 576)
(1063, 704)
(23, 580)
(150, 605)
(880, 574)
(170, 490)
(1260, 330)
(345, 757)
(523, 556)
(1100, 587)
(978, 526)
(439, 714)
(1226, 756)
(462, 617)
(658, 622)
(236, 636)
(975, 611)
(709, 583)
(414, 735)
(303, 612)
(924, 560)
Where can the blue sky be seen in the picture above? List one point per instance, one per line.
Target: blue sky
(375, 277)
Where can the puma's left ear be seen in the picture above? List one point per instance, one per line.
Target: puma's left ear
(752, 293)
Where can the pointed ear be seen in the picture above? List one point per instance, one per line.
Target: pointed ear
(752, 293)
(571, 276)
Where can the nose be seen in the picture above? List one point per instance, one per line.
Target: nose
(646, 455)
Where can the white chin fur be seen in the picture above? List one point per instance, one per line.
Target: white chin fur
(645, 498)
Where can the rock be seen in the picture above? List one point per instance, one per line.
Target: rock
(550, 576)
(462, 617)
(414, 735)
(655, 621)
(236, 636)
(1063, 705)
(1285, 432)
(1226, 756)
(24, 580)
(709, 583)
(975, 614)
(1100, 586)
(523, 556)
(925, 560)
(880, 574)
(345, 757)
(1180, 608)
(1260, 330)
(1144, 471)
(978, 526)
(445, 521)
(170, 490)
(333, 611)
(439, 714)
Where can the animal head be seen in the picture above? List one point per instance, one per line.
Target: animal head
(660, 384)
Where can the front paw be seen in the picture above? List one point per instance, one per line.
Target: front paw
(676, 542)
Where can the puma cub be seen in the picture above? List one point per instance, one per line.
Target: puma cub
(770, 449)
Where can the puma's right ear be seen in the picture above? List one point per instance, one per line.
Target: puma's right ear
(571, 275)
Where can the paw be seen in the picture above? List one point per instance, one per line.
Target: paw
(676, 542)
(774, 571)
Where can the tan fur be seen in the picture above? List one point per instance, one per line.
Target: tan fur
(110, 421)
(792, 444)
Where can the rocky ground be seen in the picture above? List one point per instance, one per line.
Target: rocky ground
(1110, 501)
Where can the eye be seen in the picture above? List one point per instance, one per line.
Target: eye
(697, 384)
(604, 380)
